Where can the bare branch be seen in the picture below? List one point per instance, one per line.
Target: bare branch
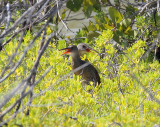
(14, 54)
(18, 63)
(141, 12)
(24, 95)
(9, 15)
(33, 71)
(30, 10)
(147, 91)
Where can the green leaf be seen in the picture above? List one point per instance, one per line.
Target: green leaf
(88, 10)
(91, 26)
(74, 5)
(115, 15)
(61, 44)
(127, 30)
(117, 36)
(126, 22)
(88, 7)
(106, 26)
(130, 10)
(91, 35)
(97, 7)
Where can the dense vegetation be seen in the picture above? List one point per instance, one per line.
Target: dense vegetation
(37, 86)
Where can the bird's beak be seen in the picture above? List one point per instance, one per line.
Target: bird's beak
(90, 50)
(68, 51)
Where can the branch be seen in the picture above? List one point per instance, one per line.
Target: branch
(30, 10)
(9, 15)
(145, 89)
(12, 57)
(143, 32)
(20, 99)
(24, 53)
(141, 12)
(34, 69)
(7, 98)
(151, 47)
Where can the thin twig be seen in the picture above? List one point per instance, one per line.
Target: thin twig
(145, 89)
(14, 54)
(30, 10)
(62, 20)
(24, 95)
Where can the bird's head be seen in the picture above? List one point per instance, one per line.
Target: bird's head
(84, 48)
(71, 50)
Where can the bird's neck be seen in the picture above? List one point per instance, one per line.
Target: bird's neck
(76, 57)
(76, 60)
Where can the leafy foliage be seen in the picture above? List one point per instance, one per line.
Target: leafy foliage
(129, 93)
(88, 6)
(122, 98)
(74, 5)
(115, 15)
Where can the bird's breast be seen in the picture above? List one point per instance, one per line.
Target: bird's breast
(80, 71)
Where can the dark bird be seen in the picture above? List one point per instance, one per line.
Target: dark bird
(88, 73)
(84, 48)
(157, 54)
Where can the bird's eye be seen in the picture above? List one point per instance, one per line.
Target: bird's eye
(84, 46)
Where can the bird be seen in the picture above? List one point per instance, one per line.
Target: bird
(88, 72)
(157, 54)
(84, 48)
